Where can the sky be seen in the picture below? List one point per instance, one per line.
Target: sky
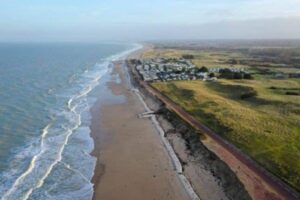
(98, 20)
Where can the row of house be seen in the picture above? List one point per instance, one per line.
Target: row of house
(282, 75)
(164, 69)
(170, 69)
(231, 69)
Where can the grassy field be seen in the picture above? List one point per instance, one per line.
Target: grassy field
(265, 125)
(214, 59)
(209, 59)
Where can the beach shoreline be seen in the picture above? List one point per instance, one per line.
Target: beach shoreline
(210, 177)
(196, 181)
(132, 162)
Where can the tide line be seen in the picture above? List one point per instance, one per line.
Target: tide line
(175, 160)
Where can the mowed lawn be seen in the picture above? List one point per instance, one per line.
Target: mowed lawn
(266, 126)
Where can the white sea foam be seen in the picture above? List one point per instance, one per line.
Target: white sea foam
(31, 165)
(55, 151)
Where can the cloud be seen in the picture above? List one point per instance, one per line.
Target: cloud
(274, 28)
(143, 20)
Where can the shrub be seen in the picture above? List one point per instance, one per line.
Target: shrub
(292, 93)
(226, 73)
(233, 61)
(248, 76)
(237, 75)
(211, 75)
(249, 94)
(273, 88)
(203, 69)
(188, 56)
(189, 94)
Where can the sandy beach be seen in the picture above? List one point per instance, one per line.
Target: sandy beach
(149, 158)
(132, 161)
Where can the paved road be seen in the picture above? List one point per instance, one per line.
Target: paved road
(282, 188)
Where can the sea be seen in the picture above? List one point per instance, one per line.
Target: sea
(46, 92)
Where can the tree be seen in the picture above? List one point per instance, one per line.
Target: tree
(203, 69)
(247, 76)
(237, 75)
(211, 75)
(188, 56)
(249, 94)
(226, 73)
(233, 61)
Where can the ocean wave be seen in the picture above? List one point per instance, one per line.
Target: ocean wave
(63, 133)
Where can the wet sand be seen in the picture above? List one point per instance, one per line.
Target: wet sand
(132, 161)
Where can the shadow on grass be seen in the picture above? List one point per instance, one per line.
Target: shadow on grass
(210, 121)
(237, 92)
